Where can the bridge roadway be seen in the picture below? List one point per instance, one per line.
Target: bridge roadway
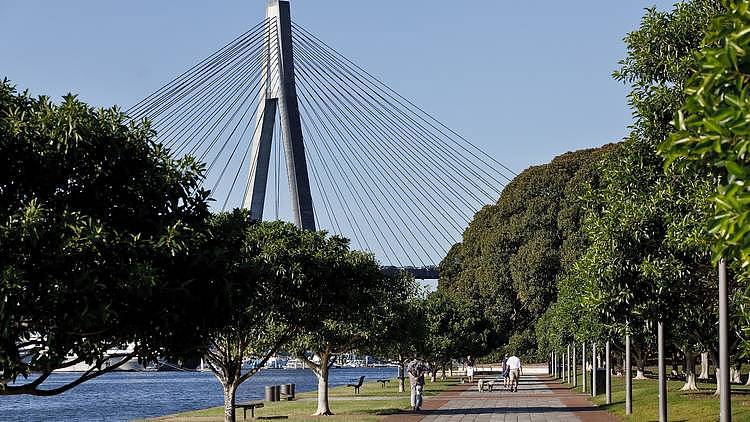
(420, 273)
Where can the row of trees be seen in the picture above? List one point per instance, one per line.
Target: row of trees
(648, 255)
(628, 236)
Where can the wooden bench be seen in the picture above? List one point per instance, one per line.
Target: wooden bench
(252, 405)
(382, 382)
(358, 385)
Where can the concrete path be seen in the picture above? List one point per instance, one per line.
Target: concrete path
(537, 399)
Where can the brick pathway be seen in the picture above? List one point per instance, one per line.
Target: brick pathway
(538, 399)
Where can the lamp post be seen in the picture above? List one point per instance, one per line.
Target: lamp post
(725, 394)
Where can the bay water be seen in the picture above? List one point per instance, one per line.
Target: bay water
(125, 396)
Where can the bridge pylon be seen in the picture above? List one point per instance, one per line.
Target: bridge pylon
(280, 94)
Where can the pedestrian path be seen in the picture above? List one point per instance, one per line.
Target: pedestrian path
(538, 399)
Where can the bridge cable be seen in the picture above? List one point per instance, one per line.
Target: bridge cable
(386, 87)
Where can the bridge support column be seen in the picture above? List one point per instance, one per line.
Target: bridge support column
(279, 63)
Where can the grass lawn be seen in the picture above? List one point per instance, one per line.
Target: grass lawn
(681, 406)
(372, 402)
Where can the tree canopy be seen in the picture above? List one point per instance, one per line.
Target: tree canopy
(95, 223)
(513, 252)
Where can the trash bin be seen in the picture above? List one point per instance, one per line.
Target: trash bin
(287, 390)
(277, 392)
(269, 393)
(601, 382)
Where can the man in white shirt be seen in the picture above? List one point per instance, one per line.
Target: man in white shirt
(514, 363)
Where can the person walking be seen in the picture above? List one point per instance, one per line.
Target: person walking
(514, 365)
(416, 370)
(506, 373)
(470, 368)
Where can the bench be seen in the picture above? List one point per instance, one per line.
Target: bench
(382, 383)
(358, 385)
(252, 405)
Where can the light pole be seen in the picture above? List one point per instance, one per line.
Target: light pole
(725, 394)
(628, 373)
(608, 375)
(662, 373)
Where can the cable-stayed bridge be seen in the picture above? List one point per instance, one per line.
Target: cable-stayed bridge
(360, 159)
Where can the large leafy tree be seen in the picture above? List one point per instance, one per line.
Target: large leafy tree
(265, 277)
(713, 129)
(712, 137)
(454, 328)
(404, 329)
(353, 294)
(96, 222)
(513, 252)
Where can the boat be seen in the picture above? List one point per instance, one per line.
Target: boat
(294, 363)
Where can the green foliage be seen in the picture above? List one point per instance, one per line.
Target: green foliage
(96, 223)
(647, 260)
(513, 252)
(403, 329)
(713, 128)
(454, 328)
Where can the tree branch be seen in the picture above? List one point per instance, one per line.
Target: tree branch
(88, 375)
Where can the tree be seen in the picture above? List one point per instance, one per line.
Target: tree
(404, 327)
(259, 274)
(455, 328)
(96, 221)
(513, 252)
(352, 293)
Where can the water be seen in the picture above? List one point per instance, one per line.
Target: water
(124, 396)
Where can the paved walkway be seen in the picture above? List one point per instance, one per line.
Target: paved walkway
(538, 399)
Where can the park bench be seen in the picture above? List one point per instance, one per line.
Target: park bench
(252, 405)
(358, 385)
(382, 382)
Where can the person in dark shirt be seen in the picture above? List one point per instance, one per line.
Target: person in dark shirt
(416, 370)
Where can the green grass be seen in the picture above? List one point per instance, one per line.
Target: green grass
(681, 406)
(372, 402)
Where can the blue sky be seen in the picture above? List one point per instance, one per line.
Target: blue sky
(525, 81)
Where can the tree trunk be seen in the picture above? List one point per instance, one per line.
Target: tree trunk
(229, 394)
(690, 383)
(640, 363)
(736, 377)
(717, 393)
(704, 366)
(401, 376)
(640, 368)
(322, 374)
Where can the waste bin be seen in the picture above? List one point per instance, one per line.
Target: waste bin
(269, 393)
(287, 390)
(600, 381)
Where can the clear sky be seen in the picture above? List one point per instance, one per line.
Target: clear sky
(526, 80)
